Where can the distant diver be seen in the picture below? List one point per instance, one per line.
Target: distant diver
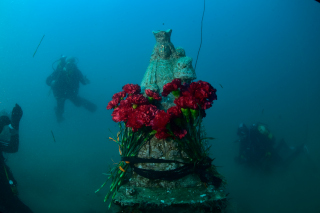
(64, 82)
(258, 149)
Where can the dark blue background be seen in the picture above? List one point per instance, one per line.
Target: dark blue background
(265, 54)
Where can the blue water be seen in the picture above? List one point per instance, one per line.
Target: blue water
(265, 54)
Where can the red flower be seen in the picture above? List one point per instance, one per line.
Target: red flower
(136, 120)
(180, 133)
(113, 103)
(120, 95)
(162, 133)
(131, 88)
(174, 112)
(137, 99)
(206, 105)
(160, 120)
(141, 116)
(204, 93)
(121, 113)
(184, 87)
(149, 111)
(125, 104)
(173, 86)
(186, 102)
(153, 94)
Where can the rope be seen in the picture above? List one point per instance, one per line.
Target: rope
(204, 7)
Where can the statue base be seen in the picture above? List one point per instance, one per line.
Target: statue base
(183, 200)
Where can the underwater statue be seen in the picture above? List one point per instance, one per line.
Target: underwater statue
(165, 164)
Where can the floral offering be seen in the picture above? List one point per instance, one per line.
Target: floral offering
(140, 119)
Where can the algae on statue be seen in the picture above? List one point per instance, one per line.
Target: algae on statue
(166, 64)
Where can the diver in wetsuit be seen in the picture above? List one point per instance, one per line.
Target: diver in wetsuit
(64, 82)
(257, 148)
(9, 142)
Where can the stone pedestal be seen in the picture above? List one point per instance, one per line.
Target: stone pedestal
(197, 199)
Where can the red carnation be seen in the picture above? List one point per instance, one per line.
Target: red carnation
(121, 113)
(213, 96)
(141, 116)
(131, 88)
(113, 103)
(184, 87)
(160, 120)
(162, 133)
(206, 105)
(186, 102)
(180, 133)
(120, 95)
(149, 111)
(137, 99)
(125, 104)
(174, 112)
(152, 94)
(173, 86)
(136, 120)
(176, 82)
(202, 92)
(209, 90)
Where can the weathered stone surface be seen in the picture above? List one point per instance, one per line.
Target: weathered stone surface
(166, 63)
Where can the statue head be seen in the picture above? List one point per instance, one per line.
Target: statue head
(162, 36)
(183, 69)
(163, 49)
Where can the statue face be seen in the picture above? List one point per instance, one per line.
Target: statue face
(164, 51)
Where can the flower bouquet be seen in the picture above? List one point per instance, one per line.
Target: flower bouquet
(141, 117)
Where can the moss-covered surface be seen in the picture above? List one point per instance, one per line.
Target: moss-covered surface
(195, 199)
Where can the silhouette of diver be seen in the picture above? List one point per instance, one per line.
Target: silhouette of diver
(64, 82)
(257, 148)
(9, 143)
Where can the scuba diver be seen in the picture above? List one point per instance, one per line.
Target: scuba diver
(64, 82)
(9, 143)
(258, 148)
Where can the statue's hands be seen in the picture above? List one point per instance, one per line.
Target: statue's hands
(16, 116)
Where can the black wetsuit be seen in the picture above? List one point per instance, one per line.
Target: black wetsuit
(257, 149)
(66, 80)
(9, 201)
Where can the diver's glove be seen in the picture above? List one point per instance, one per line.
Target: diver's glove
(16, 116)
(4, 120)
